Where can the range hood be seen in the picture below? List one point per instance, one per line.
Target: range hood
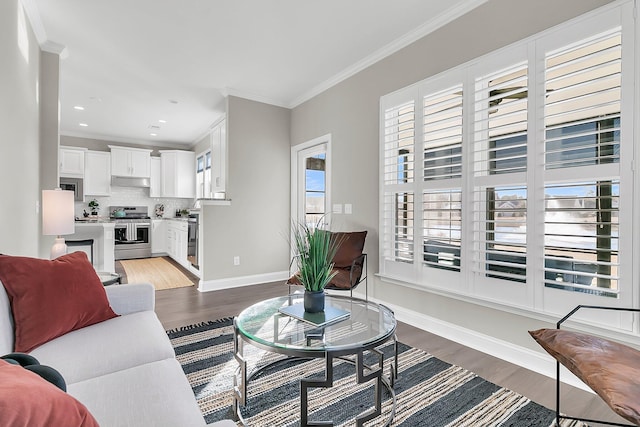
(124, 181)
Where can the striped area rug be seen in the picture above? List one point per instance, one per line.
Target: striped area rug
(429, 391)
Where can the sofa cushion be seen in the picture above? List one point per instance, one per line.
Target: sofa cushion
(26, 399)
(116, 344)
(50, 298)
(611, 369)
(154, 394)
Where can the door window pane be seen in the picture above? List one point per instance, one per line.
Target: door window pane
(315, 188)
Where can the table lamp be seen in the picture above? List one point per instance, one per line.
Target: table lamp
(58, 218)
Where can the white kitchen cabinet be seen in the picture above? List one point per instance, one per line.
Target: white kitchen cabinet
(97, 177)
(178, 173)
(211, 164)
(177, 241)
(158, 237)
(219, 158)
(130, 162)
(71, 161)
(155, 184)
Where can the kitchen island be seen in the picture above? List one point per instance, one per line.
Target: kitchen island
(102, 233)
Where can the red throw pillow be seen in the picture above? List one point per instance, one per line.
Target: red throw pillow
(27, 400)
(50, 298)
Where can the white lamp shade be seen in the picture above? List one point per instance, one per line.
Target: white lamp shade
(58, 217)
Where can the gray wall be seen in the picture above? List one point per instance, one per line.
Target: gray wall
(350, 112)
(255, 226)
(49, 130)
(19, 134)
(103, 144)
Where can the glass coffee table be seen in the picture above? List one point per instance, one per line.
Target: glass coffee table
(367, 327)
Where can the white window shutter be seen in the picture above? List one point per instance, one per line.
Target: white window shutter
(582, 154)
(399, 175)
(500, 163)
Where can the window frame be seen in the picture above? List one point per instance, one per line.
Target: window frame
(532, 297)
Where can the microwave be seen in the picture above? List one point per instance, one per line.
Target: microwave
(75, 185)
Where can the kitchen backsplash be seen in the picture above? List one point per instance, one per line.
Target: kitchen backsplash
(133, 196)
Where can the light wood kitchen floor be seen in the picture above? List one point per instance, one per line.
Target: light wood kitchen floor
(185, 306)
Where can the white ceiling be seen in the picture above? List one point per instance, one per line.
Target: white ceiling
(126, 60)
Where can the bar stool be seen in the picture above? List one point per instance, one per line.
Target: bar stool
(85, 242)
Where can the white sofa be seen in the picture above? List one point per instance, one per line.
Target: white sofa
(124, 369)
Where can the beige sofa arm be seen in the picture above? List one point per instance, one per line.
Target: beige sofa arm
(131, 298)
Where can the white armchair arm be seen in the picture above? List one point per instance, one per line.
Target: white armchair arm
(131, 298)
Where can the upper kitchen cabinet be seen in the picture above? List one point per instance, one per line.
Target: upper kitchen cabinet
(130, 162)
(97, 177)
(155, 183)
(71, 161)
(219, 158)
(178, 173)
(211, 165)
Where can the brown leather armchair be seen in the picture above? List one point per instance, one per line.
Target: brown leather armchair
(349, 263)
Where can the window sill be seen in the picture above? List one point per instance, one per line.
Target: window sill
(580, 325)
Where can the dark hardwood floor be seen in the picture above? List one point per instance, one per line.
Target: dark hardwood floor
(185, 306)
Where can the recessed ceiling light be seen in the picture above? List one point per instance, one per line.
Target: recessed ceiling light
(162, 121)
(79, 107)
(153, 134)
(84, 125)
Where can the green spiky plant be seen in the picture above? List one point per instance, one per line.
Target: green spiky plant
(315, 251)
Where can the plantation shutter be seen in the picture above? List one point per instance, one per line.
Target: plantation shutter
(442, 177)
(582, 155)
(442, 219)
(399, 174)
(442, 148)
(499, 173)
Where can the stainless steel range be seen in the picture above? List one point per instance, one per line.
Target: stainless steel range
(132, 231)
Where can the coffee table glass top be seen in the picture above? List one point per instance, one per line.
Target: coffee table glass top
(368, 324)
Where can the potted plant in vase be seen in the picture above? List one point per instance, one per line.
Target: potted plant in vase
(94, 206)
(315, 251)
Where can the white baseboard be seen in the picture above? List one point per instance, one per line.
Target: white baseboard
(521, 356)
(236, 282)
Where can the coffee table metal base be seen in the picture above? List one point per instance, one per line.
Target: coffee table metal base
(364, 373)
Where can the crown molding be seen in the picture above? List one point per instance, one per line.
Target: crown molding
(209, 129)
(31, 9)
(33, 15)
(428, 27)
(226, 92)
(55, 48)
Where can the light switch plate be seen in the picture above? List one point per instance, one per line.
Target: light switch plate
(348, 208)
(337, 208)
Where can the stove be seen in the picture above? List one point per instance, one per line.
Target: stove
(132, 231)
(129, 213)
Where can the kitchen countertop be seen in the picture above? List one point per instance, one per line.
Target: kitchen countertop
(214, 202)
(93, 221)
(83, 221)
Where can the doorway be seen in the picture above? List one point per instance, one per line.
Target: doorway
(311, 181)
